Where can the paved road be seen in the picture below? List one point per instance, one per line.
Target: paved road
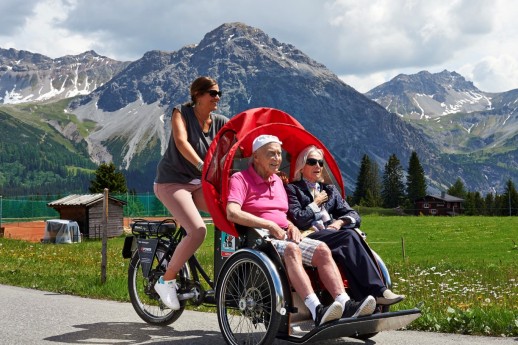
(39, 317)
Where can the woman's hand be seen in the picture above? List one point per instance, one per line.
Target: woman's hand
(337, 224)
(320, 198)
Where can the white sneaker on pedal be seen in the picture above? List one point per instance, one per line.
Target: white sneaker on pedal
(166, 289)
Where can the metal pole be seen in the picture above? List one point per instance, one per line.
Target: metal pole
(509, 201)
(104, 259)
(1, 202)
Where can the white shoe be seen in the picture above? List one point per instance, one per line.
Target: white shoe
(389, 298)
(167, 292)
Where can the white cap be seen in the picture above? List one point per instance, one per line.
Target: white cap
(264, 139)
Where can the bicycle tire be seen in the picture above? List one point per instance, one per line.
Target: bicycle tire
(144, 299)
(246, 302)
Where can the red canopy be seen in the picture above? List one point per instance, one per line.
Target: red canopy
(234, 142)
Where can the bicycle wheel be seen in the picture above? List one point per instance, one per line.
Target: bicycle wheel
(246, 302)
(144, 299)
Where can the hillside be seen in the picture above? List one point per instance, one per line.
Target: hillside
(41, 153)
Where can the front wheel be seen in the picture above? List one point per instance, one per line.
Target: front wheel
(144, 299)
(246, 299)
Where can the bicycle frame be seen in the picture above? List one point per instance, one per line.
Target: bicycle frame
(147, 236)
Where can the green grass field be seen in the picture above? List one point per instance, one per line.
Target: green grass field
(461, 271)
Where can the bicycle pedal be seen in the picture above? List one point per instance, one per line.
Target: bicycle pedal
(210, 299)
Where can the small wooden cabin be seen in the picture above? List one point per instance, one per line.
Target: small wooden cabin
(439, 205)
(87, 211)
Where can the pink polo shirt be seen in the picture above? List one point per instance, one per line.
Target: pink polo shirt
(265, 199)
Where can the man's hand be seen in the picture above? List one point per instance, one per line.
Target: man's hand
(276, 231)
(294, 233)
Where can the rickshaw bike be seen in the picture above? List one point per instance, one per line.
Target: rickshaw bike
(254, 300)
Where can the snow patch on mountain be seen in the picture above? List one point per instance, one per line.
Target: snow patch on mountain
(137, 124)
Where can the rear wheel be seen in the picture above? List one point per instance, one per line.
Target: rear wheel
(246, 300)
(144, 299)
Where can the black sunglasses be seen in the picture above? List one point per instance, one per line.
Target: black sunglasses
(313, 161)
(214, 93)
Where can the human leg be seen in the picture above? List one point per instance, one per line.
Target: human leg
(331, 279)
(293, 260)
(350, 254)
(296, 274)
(178, 199)
(327, 270)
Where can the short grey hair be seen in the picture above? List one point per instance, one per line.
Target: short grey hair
(301, 160)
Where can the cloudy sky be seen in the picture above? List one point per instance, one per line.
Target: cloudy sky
(364, 42)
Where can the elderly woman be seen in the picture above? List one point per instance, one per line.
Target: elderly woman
(257, 199)
(320, 210)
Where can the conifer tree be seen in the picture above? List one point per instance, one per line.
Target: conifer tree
(416, 183)
(106, 176)
(510, 200)
(373, 187)
(368, 189)
(393, 188)
(360, 190)
(457, 189)
(489, 205)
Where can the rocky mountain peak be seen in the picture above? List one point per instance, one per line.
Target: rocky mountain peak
(427, 95)
(29, 77)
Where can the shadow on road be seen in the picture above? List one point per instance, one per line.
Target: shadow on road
(138, 333)
(135, 333)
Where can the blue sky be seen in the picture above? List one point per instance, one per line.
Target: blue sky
(364, 42)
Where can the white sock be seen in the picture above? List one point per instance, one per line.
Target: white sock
(162, 281)
(312, 301)
(342, 298)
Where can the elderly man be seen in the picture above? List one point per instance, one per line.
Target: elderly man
(257, 198)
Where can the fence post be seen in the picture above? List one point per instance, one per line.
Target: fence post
(403, 247)
(1, 208)
(104, 237)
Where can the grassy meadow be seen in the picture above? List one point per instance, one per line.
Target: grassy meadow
(461, 271)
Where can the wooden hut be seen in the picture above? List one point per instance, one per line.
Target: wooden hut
(439, 205)
(87, 211)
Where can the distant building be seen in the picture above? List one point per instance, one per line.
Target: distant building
(87, 211)
(439, 205)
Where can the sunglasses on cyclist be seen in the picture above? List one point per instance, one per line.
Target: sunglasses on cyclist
(214, 93)
(314, 161)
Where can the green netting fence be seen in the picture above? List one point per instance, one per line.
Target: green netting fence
(35, 206)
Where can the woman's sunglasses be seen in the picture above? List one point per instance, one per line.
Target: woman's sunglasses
(314, 161)
(214, 93)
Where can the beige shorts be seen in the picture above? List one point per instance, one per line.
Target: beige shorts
(307, 247)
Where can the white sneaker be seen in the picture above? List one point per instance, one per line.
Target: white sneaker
(389, 298)
(167, 292)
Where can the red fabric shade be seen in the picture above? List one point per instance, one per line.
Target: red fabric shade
(235, 141)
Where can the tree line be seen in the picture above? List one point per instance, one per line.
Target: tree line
(391, 190)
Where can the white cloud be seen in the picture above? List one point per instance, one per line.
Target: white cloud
(495, 74)
(365, 42)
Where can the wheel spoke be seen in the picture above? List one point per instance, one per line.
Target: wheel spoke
(246, 287)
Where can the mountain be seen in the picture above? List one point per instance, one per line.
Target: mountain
(27, 77)
(41, 152)
(253, 70)
(427, 95)
(127, 118)
(478, 130)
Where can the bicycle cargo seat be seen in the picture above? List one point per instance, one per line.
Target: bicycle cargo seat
(153, 227)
